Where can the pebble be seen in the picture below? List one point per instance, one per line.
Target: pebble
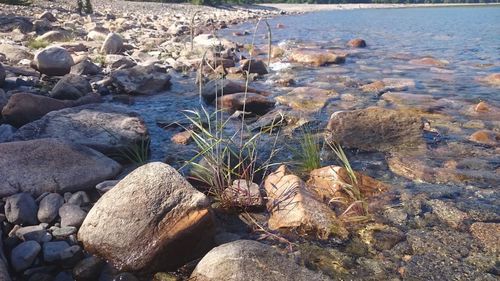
(49, 207)
(21, 209)
(63, 232)
(24, 254)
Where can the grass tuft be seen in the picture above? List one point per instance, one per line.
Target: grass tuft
(38, 43)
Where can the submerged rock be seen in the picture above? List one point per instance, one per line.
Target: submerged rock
(485, 137)
(356, 43)
(307, 98)
(492, 79)
(316, 57)
(254, 66)
(293, 207)
(249, 102)
(110, 129)
(50, 165)
(53, 61)
(140, 80)
(376, 129)
(152, 219)
(246, 260)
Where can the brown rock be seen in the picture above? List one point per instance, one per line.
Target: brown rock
(482, 107)
(376, 129)
(183, 138)
(292, 207)
(356, 43)
(243, 194)
(488, 235)
(224, 87)
(316, 57)
(428, 61)
(249, 102)
(151, 220)
(254, 66)
(492, 79)
(330, 182)
(485, 137)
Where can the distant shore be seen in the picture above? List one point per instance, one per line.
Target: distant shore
(304, 8)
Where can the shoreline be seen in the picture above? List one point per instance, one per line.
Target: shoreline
(307, 8)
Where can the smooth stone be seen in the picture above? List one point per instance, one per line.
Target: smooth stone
(53, 61)
(6, 132)
(63, 232)
(88, 269)
(140, 80)
(71, 87)
(79, 198)
(113, 44)
(36, 233)
(21, 209)
(24, 254)
(49, 207)
(52, 250)
(71, 215)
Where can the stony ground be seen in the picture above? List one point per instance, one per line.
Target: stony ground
(77, 203)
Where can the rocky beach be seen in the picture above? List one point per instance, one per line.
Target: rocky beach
(161, 141)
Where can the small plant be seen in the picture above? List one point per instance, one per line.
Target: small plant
(100, 60)
(308, 155)
(137, 153)
(357, 210)
(38, 43)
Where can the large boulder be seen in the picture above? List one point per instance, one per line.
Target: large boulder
(316, 57)
(113, 44)
(376, 129)
(110, 129)
(23, 108)
(71, 87)
(153, 219)
(247, 260)
(49, 165)
(140, 80)
(53, 61)
(293, 207)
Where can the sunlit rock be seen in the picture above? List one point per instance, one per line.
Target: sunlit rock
(307, 98)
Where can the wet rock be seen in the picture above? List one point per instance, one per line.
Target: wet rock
(85, 67)
(396, 216)
(172, 214)
(21, 208)
(125, 276)
(447, 213)
(71, 215)
(183, 137)
(53, 61)
(9, 23)
(331, 182)
(376, 129)
(243, 194)
(52, 250)
(254, 66)
(6, 132)
(307, 98)
(428, 61)
(488, 235)
(49, 207)
(485, 137)
(23, 108)
(316, 57)
(249, 102)
(55, 36)
(49, 165)
(14, 53)
(356, 43)
(492, 79)
(380, 237)
(223, 87)
(109, 129)
(293, 207)
(24, 254)
(88, 269)
(388, 85)
(443, 242)
(71, 87)
(113, 44)
(250, 260)
(140, 80)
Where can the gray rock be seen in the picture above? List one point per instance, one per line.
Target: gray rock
(140, 80)
(6, 132)
(2, 75)
(53, 61)
(24, 254)
(110, 129)
(52, 250)
(247, 260)
(88, 269)
(447, 213)
(376, 129)
(71, 256)
(152, 203)
(50, 165)
(71, 87)
(63, 232)
(36, 233)
(119, 61)
(21, 208)
(9, 23)
(85, 67)
(79, 198)
(106, 186)
(48, 16)
(14, 53)
(71, 215)
(113, 44)
(49, 207)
